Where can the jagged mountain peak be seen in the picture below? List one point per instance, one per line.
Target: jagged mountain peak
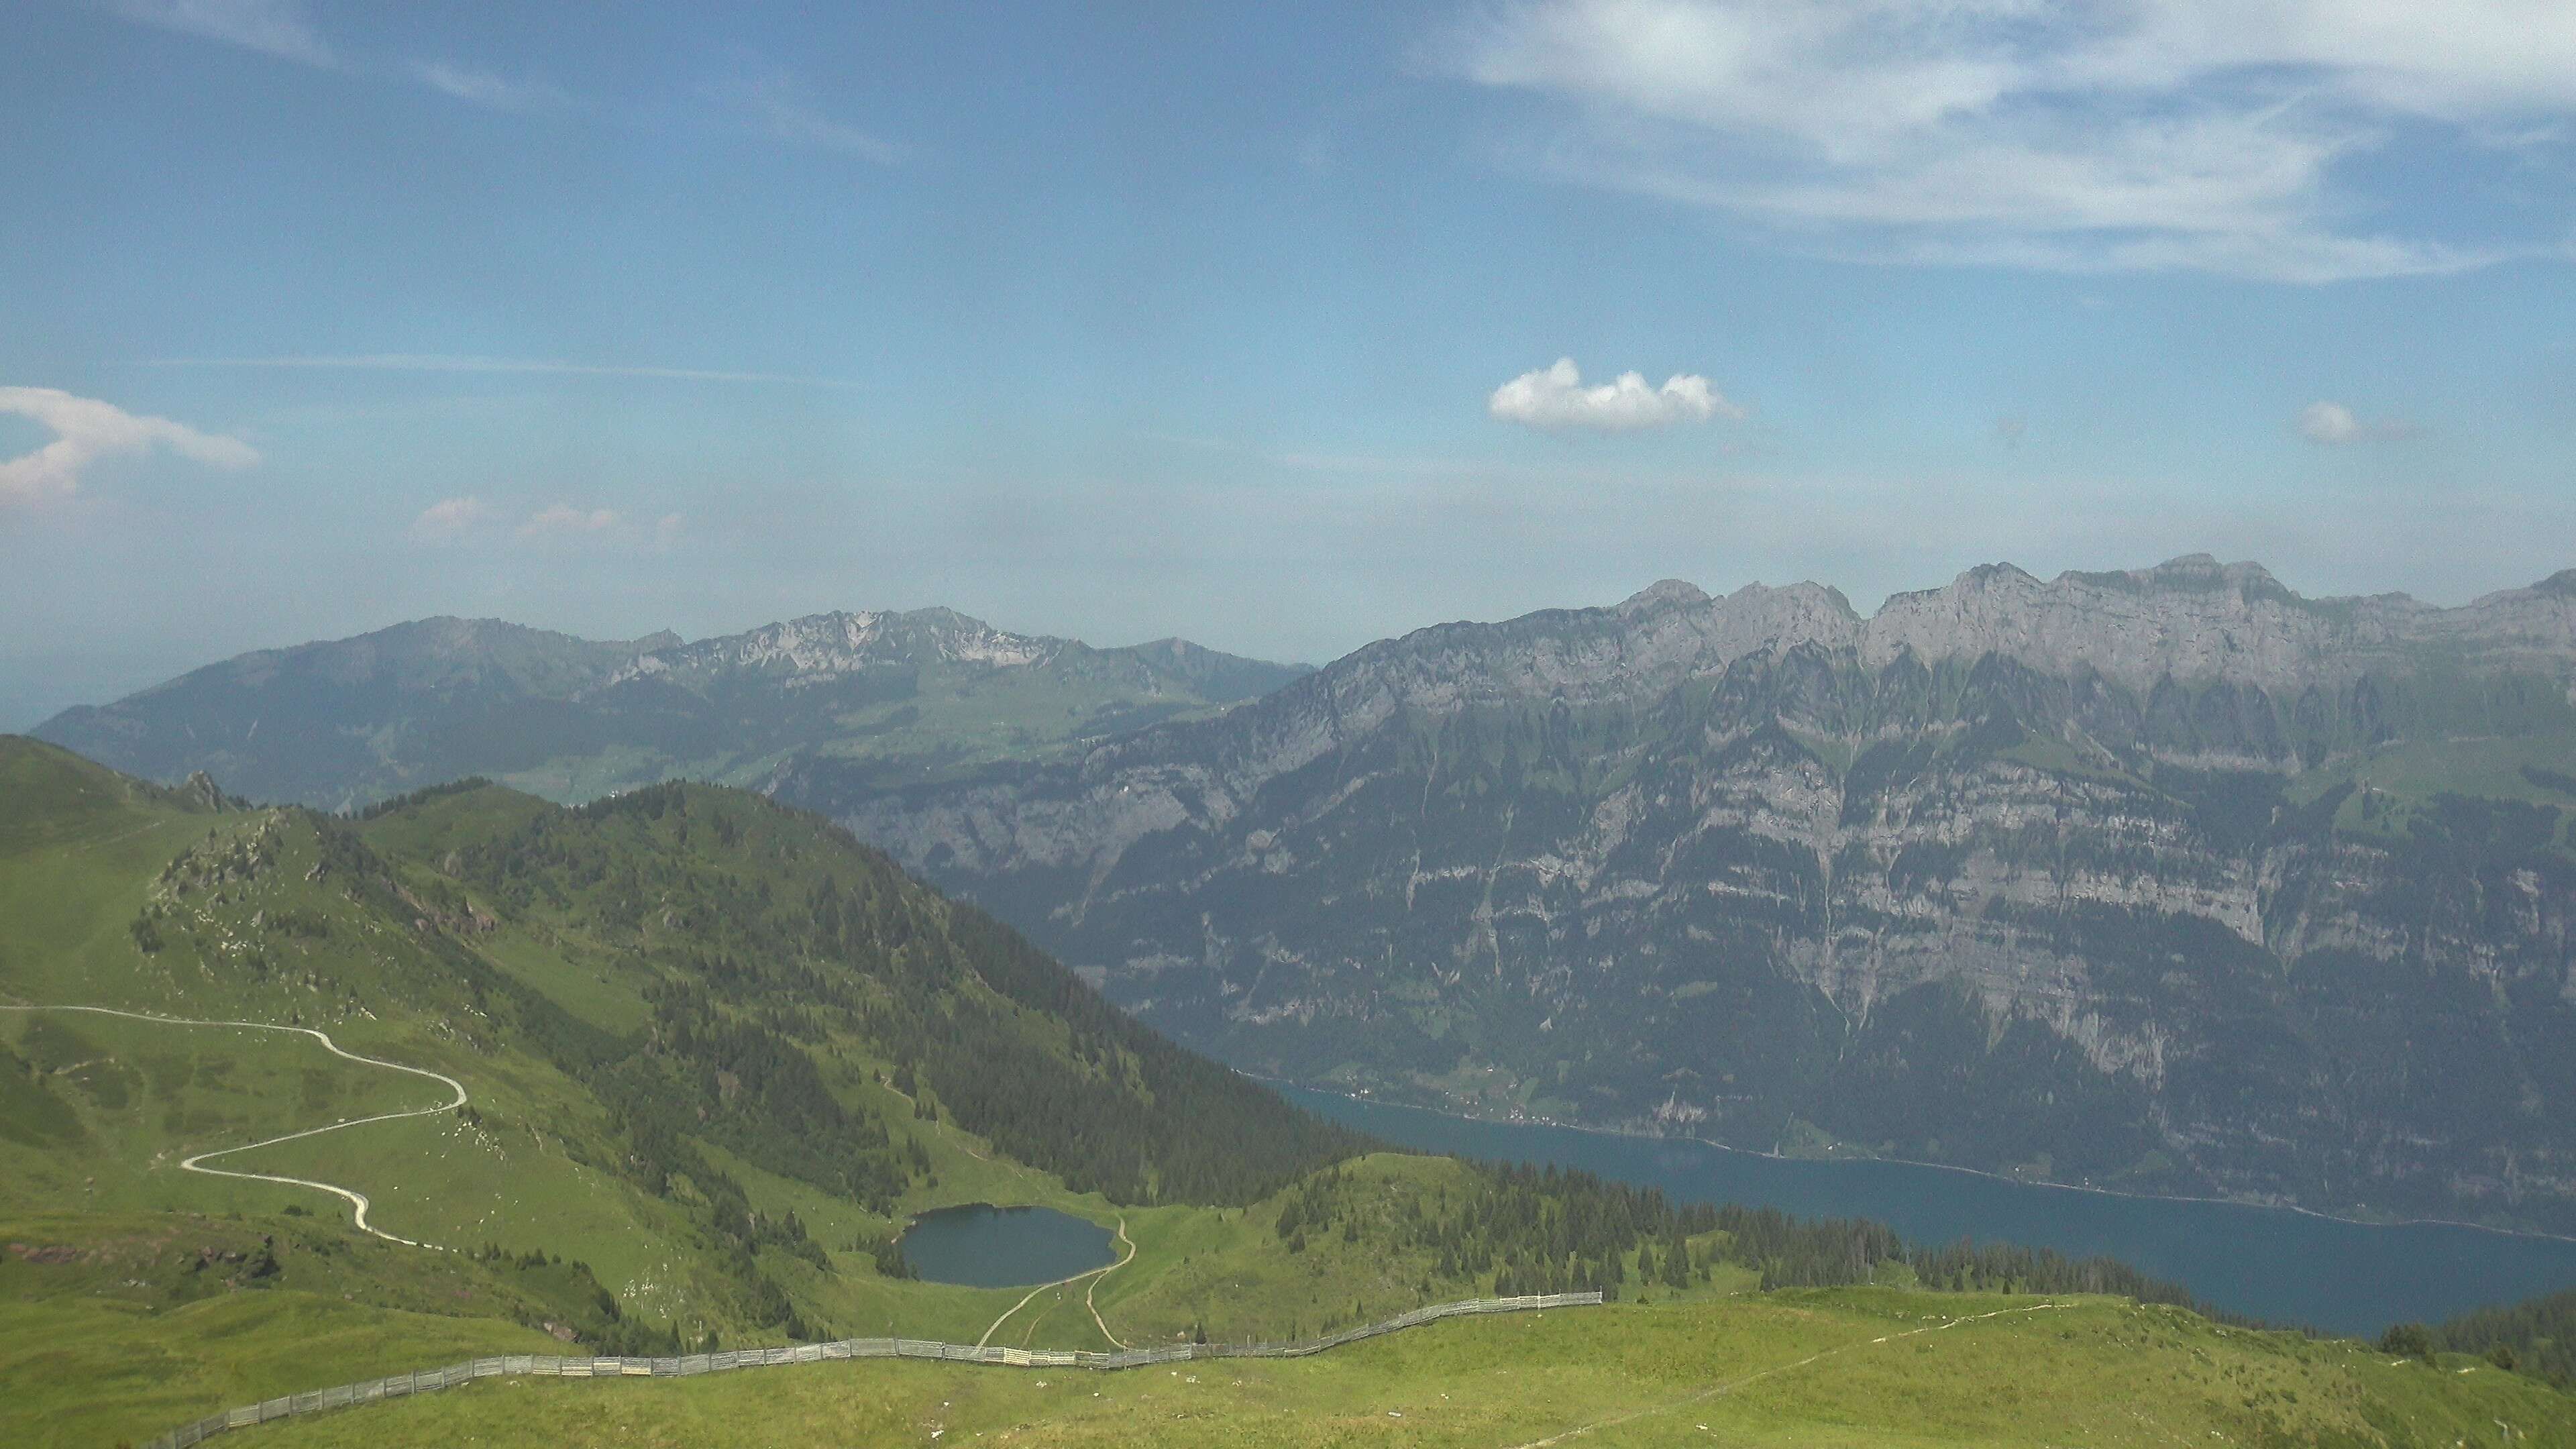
(1804, 597)
(2190, 618)
(2201, 572)
(2561, 583)
(1663, 593)
(2191, 573)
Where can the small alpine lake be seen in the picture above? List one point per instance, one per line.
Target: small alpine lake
(983, 1246)
(2272, 1263)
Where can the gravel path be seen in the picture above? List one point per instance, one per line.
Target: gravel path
(357, 1200)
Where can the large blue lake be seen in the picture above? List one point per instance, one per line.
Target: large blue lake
(2274, 1264)
(984, 1246)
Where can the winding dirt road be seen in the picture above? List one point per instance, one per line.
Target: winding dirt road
(357, 1200)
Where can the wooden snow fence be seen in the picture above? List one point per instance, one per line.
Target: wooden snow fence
(401, 1386)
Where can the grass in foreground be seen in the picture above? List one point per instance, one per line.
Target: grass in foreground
(1871, 1368)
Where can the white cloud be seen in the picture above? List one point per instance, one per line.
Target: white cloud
(565, 520)
(448, 519)
(2333, 425)
(666, 532)
(488, 89)
(1555, 397)
(86, 430)
(271, 27)
(2094, 136)
(787, 113)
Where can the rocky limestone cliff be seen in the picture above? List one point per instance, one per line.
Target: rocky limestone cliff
(2168, 880)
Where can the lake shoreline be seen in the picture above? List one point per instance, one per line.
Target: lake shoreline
(2344, 1276)
(1857, 1160)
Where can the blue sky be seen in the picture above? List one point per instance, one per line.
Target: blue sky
(1124, 322)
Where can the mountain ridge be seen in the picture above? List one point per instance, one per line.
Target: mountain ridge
(921, 691)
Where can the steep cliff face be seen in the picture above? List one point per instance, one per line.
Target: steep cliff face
(2166, 880)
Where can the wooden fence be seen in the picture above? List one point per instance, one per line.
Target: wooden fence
(402, 1386)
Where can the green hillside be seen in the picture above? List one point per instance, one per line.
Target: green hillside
(716, 1054)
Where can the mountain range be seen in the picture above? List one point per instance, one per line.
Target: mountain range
(2169, 880)
(887, 697)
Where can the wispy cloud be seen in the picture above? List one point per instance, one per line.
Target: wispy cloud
(2116, 135)
(448, 519)
(2334, 425)
(454, 520)
(86, 430)
(564, 520)
(783, 109)
(271, 27)
(489, 89)
(433, 362)
(1555, 397)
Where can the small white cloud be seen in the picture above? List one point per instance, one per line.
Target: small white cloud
(2332, 424)
(271, 27)
(1555, 397)
(448, 518)
(86, 430)
(666, 532)
(490, 90)
(2325, 422)
(563, 519)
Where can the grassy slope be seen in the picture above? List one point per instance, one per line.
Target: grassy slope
(100, 1109)
(963, 718)
(533, 1172)
(2406, 778)
(1849, 1367)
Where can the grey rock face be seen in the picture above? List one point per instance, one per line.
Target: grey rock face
(2168, 879)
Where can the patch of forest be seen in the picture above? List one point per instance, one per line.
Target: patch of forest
(2536, 1336)
(1525, 1229)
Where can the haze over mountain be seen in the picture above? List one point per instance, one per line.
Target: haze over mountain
(2170, 880)
(892, 697)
